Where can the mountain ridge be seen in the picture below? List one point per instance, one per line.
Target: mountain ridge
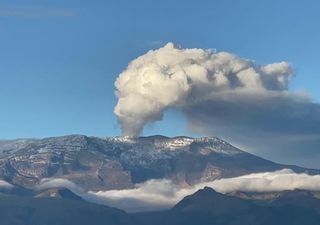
(119, 162)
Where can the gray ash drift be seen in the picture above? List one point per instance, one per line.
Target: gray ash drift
(120, 162)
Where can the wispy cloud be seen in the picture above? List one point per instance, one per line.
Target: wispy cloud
(35, 12)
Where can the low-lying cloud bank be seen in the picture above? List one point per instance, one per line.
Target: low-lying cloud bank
(161, 194)
(5, 185)
(48, 183)
(224, 95)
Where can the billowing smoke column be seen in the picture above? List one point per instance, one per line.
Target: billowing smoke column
(180, 78)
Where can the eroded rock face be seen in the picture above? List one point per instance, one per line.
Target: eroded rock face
(120, 162)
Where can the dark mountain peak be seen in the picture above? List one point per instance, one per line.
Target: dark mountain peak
(68, 194)
(206, 192)
(207, 199)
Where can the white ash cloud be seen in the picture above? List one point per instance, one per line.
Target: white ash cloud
(175, 77)
(221, 94)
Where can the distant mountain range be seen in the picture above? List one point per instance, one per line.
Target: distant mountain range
(120, 162)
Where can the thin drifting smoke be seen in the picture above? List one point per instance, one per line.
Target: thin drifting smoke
(182, 78)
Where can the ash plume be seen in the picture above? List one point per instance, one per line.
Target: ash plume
(181, 78)
(224, 95)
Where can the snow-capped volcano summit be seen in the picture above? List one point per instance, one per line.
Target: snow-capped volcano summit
(120, 162)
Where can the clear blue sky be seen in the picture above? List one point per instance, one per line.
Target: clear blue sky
(59, 59)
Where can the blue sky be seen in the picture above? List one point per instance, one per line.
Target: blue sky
(59, 59)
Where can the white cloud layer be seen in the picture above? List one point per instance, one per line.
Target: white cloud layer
(4, 184)
(48, 183)
(161, 194)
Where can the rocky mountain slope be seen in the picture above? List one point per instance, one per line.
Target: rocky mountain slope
(120, 162)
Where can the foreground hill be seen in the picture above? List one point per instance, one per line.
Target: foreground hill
(207, 207)
(120, 162)
(17, 210)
